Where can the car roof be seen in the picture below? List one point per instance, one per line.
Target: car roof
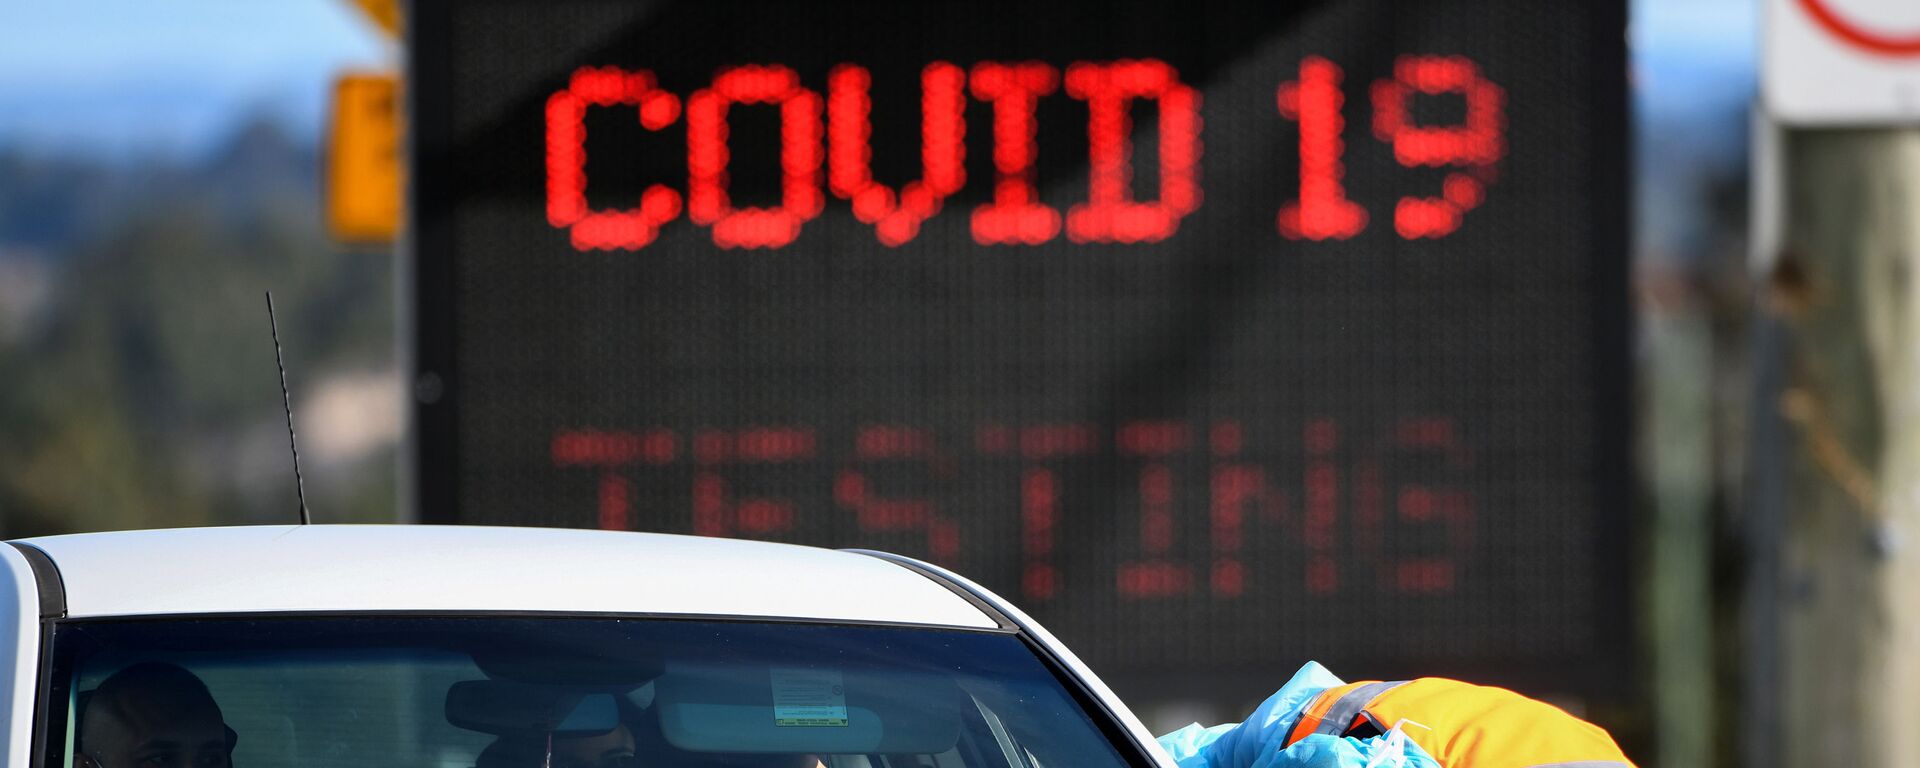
(369, 568)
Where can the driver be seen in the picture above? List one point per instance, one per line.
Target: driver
(152, 714)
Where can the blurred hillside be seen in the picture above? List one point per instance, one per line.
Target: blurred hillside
(137, 379)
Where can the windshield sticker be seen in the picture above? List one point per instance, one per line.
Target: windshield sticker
(808, 698)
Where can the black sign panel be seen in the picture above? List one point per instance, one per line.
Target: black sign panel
(1219, 335)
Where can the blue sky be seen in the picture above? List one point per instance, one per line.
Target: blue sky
(128, 75)
(1694, 79)
(1689, 51)
(138, 75)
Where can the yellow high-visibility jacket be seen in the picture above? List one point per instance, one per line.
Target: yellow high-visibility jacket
(1465, 725)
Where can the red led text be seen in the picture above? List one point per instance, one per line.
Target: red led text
(1385, 512)
(840, 140)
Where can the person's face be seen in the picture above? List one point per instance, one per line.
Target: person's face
(613, 749)
(190, 737)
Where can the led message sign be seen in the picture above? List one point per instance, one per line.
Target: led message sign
(1220, 335)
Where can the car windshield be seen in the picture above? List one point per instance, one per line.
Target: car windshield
(524, 692)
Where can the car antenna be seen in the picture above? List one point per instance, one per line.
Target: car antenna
(286, 401)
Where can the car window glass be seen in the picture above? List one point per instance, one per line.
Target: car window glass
(565, 693)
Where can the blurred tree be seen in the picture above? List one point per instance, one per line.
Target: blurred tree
(147, 396)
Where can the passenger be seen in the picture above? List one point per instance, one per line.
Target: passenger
(617, 749)
(152, 713)
(634, 743)
(613, 749)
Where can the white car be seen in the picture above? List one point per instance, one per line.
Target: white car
(372, 646)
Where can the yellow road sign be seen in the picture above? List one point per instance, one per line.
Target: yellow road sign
(386, 13)
(363, 165)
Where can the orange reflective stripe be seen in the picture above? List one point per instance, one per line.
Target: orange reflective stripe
(1316, 710)
(1335, 709)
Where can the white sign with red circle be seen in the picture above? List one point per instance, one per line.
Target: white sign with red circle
(1841, 62)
